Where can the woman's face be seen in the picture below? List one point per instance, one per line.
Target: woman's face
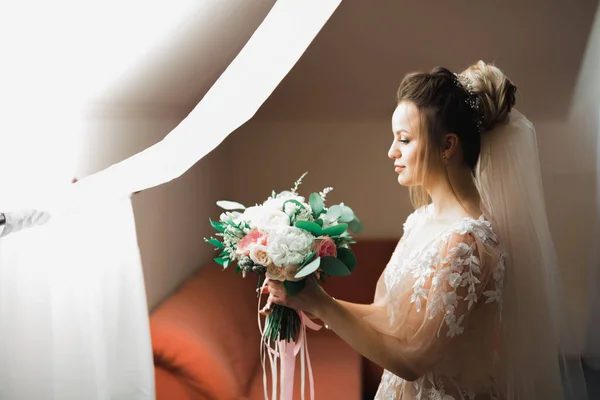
(405, 149)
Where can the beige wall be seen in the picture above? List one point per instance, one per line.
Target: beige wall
(348, 155)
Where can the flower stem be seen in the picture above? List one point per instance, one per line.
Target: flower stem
(282, 323)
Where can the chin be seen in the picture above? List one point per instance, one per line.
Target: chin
(405, 182)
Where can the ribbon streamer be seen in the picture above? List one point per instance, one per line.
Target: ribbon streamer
(287, 353)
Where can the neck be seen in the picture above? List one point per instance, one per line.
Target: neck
(457, 198)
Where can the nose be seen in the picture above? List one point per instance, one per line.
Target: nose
(394, 151)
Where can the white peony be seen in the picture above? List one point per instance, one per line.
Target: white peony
(265, 217)
(281, 198)
(289, 246)
(300, 213)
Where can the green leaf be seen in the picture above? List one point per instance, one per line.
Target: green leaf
(347, 257)
(293, 288)
(319, 222)
(334, 267)
(309, 269)
(217, 225)
(355, 225)
(307, 259)
(230, 205)
(334, 212)
(335, 230)
(215, 243)
(300, 205)
(347, 214)
(309, 226)
(220, 261)
(316, 204)
(224, 254)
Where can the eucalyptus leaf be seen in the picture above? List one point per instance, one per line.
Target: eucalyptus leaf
(309, 226)
(307, 259)
(293, 288)
(334, 212)
(355, 225)
(230, 205)
(316, 203)
(334, 267)
(309, 268)
(335, 230)
(347, 257)
(347, 214)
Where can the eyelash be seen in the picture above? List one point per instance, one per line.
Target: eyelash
(404, 141)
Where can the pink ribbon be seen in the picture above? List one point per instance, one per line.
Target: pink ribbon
(287, 353)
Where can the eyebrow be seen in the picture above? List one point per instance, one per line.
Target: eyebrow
(399, 131)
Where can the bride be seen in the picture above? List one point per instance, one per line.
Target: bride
(467, 307)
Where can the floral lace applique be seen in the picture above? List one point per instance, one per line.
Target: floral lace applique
(445, 282)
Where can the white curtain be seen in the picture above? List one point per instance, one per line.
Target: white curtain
(73, 316)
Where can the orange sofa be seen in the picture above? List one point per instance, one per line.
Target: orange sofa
(205, 337)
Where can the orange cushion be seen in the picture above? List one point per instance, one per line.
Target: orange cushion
(207, 332)
(170, 387)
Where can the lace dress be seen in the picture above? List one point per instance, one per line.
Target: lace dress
(442, 301)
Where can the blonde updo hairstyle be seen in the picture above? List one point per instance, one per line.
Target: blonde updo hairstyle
(468, 105)
(495, 92)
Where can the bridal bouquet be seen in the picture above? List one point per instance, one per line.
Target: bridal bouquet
(286, 239)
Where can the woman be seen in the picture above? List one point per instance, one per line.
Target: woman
(462, 310)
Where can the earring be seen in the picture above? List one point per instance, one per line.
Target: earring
(444, 158)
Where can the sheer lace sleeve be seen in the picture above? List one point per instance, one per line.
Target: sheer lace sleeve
(431, 297)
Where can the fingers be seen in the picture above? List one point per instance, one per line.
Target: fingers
(271, 286)
(276, 289)
(266, 308)
(270, 301)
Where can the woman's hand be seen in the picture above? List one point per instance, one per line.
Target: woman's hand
(311, 299)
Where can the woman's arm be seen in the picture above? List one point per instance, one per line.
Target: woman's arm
(456, 283)
(360, 310)
(349, 326)
(340, 317)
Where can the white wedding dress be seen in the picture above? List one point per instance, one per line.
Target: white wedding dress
(441, 297)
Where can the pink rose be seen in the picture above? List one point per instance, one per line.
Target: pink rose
(259, 255)
(325, 247)
(254, 237)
